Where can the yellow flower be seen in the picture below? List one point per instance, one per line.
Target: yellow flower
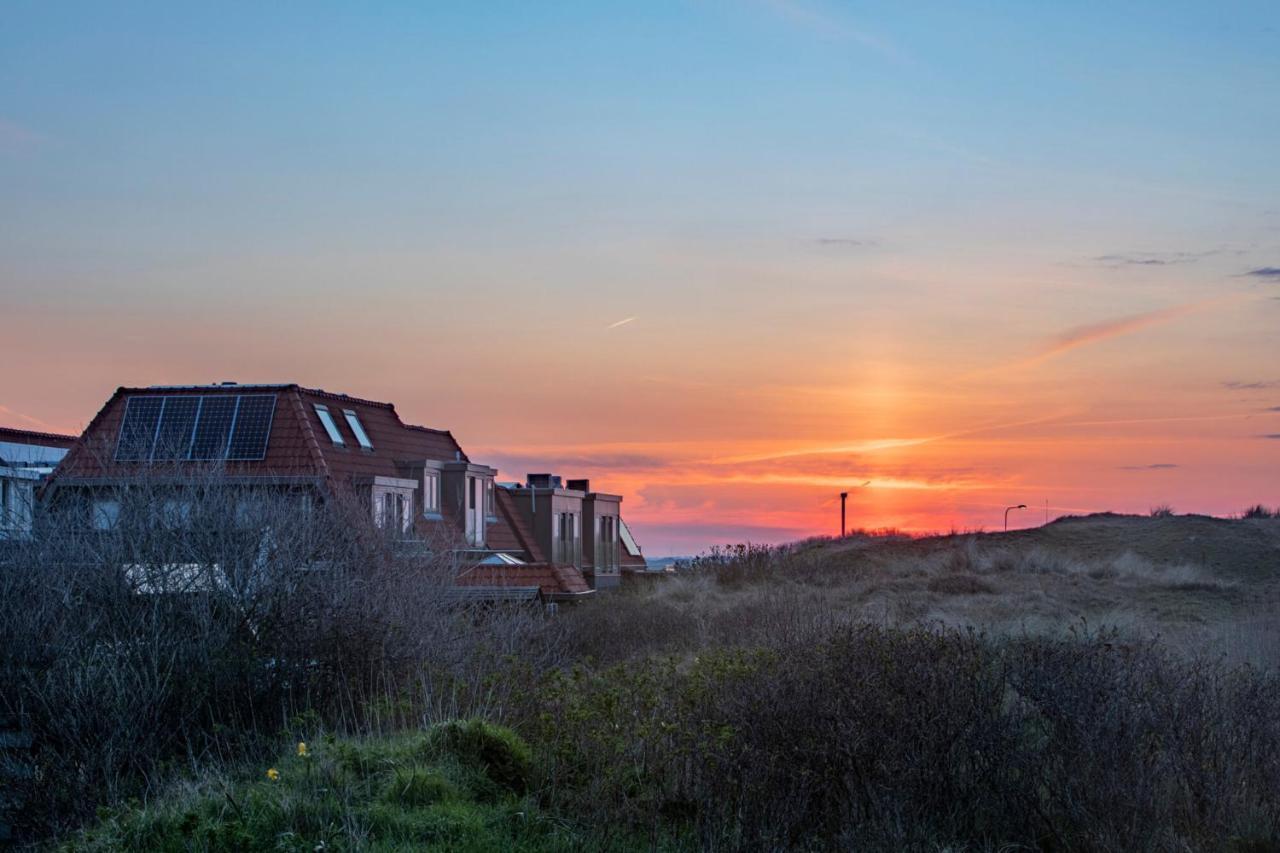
(302, 749)
(273, 774)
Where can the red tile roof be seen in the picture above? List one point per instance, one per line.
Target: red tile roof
(40, 439)
(299, 447)
(554, 581)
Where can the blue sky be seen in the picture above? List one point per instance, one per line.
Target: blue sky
(785, 194)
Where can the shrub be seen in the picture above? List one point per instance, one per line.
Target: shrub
(886, 739)
(413, 786)
(124, 652)
(498, 751)
(1162, 511)
(1260, 511)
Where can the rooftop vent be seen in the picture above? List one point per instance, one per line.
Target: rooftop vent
(580, 485)
(543, 481)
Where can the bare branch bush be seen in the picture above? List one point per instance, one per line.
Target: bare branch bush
(183, 618)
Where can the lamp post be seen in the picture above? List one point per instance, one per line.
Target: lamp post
(1006, 513)
(844, 496)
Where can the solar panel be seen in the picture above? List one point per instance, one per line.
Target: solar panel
(189, 426)
(138, 430)
(253, 425)
(213, 428)
(177, 422)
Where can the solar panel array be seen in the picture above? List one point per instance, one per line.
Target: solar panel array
(211, 427)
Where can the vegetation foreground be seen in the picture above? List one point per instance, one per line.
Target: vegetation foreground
(727, 709)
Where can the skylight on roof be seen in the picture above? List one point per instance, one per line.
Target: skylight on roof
(358, 429)
(499, 559)
(330, 426)
(628, 541)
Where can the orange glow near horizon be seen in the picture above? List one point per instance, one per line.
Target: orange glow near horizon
(713, 451)
(727, 259)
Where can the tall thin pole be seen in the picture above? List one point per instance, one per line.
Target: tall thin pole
(844, 496)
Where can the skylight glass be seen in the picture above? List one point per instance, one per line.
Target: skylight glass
(329, 425)
(628, 541)
(358, 429)
(501, 560)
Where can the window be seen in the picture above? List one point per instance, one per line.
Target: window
(175, 514)
(394, 512)
(431, 493)
(490, 505)
(329, 425)
(105, 514)
(357, 429)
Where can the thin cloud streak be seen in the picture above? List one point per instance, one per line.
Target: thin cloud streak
(14, 137)
(36, 421)
(622, 322)
(830, 26)
(873, 445)
(1092, 333)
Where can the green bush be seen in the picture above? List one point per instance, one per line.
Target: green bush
(498, 751)
(414, 786)
(374, 794)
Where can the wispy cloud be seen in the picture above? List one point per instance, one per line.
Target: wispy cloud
(516, 463)
(15, 137)
(5, 410)
(1275, 435)
(879, 444)
(1237, 385)
(621, 322)
(832, 25)
(1092, 333)
(1151, 259)
(1264, 272)
(1155, 466)
(848, 242)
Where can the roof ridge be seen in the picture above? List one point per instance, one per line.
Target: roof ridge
(335, 395)
(426, 429)
(35, 433)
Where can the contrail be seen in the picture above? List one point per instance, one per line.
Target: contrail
(619, 323)
(8, 411)
(1090, 333)
(1093, 332)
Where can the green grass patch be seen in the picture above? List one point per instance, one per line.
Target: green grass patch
(458, 786)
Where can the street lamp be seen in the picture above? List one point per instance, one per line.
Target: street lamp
(1006, 513)
(844, 496)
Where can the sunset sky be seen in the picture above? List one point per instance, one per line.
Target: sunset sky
(728, 258)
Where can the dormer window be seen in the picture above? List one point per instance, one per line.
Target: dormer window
(357, 429)
(431, 492)
(330, 426)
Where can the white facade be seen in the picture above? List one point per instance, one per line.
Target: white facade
(22, 467)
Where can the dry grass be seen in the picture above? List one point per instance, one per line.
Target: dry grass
(1044, 585)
